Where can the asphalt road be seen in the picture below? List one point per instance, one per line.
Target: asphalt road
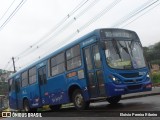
(149, 104)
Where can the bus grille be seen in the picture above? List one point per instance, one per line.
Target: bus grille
(134, 87)
(132, 81)
(130, 75)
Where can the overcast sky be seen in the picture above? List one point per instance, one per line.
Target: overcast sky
(36, 20)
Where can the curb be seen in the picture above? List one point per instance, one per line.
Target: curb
(138, 96)
(154, 92)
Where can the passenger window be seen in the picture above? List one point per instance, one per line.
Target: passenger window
(57, 64)
(32, 75)
(88, 59)
(73, 57)
(96, 56)
(25, 79)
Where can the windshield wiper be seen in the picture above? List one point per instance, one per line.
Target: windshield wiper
(124, 48)
(131, 47)
(115, 46)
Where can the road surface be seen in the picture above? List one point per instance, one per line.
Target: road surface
(102, 109)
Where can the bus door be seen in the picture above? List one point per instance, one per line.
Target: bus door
(18, 93)
(94, 72)
(12, 94)
(42, 84)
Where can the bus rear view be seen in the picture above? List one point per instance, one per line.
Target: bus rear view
(125, 69)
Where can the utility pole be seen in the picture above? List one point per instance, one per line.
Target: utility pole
(14, 64)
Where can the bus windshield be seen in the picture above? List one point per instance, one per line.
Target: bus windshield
(124, 54)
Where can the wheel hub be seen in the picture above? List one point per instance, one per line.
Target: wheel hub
(79, 100)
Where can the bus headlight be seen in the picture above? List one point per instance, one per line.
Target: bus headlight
(148, 76)
(115, 79)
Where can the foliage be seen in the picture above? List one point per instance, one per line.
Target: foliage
(155, 61)
(3, 88)
(156, 77)
(152, 53)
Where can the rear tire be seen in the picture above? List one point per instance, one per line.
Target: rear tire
(27, 107)
(114, 100)
(55, 107)
(79, 101)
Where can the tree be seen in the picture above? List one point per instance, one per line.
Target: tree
(152, 54)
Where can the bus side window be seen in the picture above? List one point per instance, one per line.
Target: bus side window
(57, 64)
(32, 75)
(24, 78)
(96, 54)
(73, 57)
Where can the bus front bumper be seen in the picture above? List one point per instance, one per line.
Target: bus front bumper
(115, 90)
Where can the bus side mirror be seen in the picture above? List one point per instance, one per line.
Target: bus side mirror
(103, 46)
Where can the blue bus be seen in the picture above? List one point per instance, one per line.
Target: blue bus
(102, 65)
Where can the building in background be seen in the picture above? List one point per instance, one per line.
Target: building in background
(4, 75)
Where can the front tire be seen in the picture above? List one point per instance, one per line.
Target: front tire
(114, 100)
(79, 101)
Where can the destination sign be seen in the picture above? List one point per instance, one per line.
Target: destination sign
(118, 34)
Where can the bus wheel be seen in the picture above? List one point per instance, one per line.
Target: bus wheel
(55, 107)
(26, 106)
(114, 99)
(78, 100)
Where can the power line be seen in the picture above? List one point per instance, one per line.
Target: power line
(99, 15)
(70, 22)
(141, 15)
(56, 33)
(12, 14)
(102, 13)
(9, 18)
(137, 11)
(7, 10)
(7, 64)
(79, 6)
(90, 22)
(131, 13)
